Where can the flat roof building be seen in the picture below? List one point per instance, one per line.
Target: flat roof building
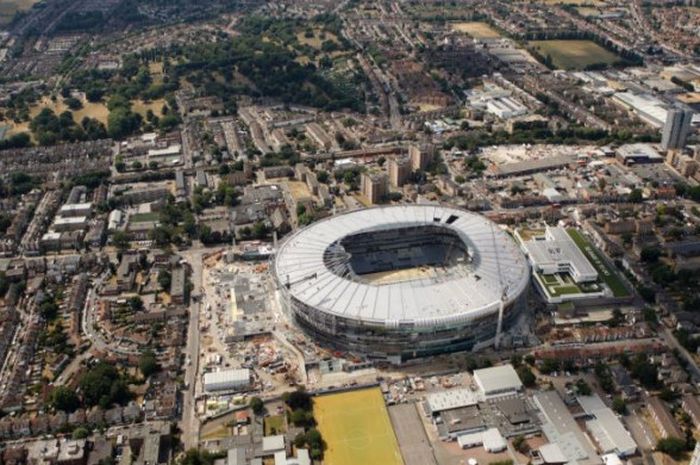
(497, 380)
(560, 428)
(556, 252)
(606, 427)
(227, 380)
(451, 399)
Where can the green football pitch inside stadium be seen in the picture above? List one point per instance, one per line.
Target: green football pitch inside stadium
(356, 428)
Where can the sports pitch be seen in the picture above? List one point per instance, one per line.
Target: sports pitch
(357, 429)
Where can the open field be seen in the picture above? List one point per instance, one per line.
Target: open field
(8, 8)
(318, 38)
(357, 429)
(608, 275)
(98, 111)
(573, 54)
(478, 30)
(139, 106)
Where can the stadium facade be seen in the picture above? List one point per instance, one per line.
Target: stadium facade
(399, 282)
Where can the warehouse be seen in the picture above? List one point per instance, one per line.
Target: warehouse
(560, 428)
(491, 439)
(606, 427)
(497, 381)
(227, 380)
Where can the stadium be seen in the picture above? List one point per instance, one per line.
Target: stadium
(399, 282)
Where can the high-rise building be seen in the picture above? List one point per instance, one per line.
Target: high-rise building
(399, 171)
(676, 129)
(375, 186)
(421, 156)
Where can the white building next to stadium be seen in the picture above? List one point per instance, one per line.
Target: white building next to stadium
(556, 252)
(496, 381)
(227, 380)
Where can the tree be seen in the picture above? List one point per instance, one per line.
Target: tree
(164, 279)
(73, 103)
(120, 240)
(672, 446)
(64, 399)
(301, 417)
(650, 254)
(549, 365)
(299, 399)
(520, 444)
(148, 364)
(256, 405)
(80, 433)
(636, 195)
(135, 303)
(103, 385)
(619, 405)
(526, 376)
(122, 122)
(583, 388)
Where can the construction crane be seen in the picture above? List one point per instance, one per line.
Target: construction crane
(289, 284)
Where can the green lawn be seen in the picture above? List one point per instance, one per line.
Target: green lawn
(608, 275)
(574, 54)
(564, 290)
(143, 217)
(274, 425)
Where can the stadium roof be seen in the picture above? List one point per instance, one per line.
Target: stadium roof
(497, 379)
(497, 265)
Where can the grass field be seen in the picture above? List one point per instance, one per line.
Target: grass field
(274, 425)
(478, 30)
(8, 8)
(608, 275)
(144, 217)
(573, 54)
(357, 429)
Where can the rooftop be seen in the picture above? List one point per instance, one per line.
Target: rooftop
(475, 290)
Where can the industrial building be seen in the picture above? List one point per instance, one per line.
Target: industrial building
(560, 428)
(648, 108)
(491, 439)
(498, 380)
(635, 154)
(606, 428)
(400, 282)
(227, 380)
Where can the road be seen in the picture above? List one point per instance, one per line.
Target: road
(189, 423)
(640, 431)
(673, 343)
